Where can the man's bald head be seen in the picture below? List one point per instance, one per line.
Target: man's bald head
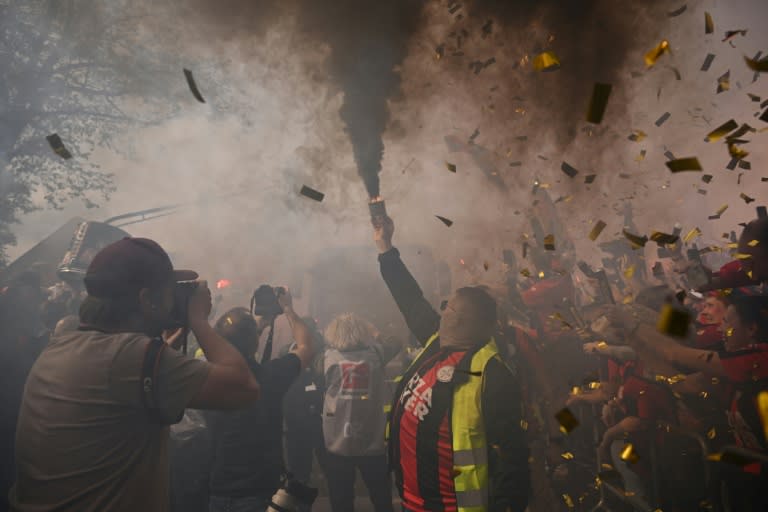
(469, 318)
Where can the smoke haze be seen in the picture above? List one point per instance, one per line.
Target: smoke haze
(304, 92)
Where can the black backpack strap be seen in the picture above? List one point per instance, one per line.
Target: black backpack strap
(149, 382)
(267, 355)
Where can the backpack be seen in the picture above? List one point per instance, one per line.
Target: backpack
(353, 408)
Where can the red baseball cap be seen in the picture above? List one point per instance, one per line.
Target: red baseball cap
(130, 264)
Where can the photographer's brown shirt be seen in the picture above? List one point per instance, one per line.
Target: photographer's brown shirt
(84, 441)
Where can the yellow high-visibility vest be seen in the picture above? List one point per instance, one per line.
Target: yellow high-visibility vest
(470, 448)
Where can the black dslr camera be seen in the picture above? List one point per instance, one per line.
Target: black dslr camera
(264, 301)
(182, 292)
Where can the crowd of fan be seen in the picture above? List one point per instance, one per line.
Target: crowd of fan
(659, 402)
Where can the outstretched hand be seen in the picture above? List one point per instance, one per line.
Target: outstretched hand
(383, 230)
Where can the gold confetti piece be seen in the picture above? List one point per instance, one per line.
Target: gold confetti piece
(663, 119)
(628, 454)
(549, 242)
(637, 136)
(703, 394)
(711, 433)
(709, 24)
(641, 156)
(762, 409)
(736, 152)
(678, 11)
(567, 455)
(721, 131)
(627, 300)
(652, 56)
(596, 230)
(741, 256)
(760, 66)
(602, 344)
(567, 420)
(708, 62)
(193, 86)
(541, 274)
(695, 232)
(598, 103)
(637, 241)
(715, 380)
(575, 390)
(546, 61)
(684, 164)
(525, 272)
(743, 130)
(594, 385)
(450, 167)
(629, 272)
(673, 322)
(569, 170)
(523, 424)
(447, 222)
(311, 193)
(721, 210)
(730, 458)
(730, 34)
(664, 238)
(568, 501)
(753, 243)
(746, 198)
(58, 146)
(724, 82)
(675, 379)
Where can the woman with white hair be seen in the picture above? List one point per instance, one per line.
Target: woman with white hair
(354, 417)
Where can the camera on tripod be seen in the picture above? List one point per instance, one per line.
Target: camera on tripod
(264, 301)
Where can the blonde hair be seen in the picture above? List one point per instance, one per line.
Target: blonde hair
(348, 331)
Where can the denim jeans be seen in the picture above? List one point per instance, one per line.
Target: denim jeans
(247, 504)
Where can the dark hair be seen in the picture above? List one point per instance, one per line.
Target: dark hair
(481, 303)
(753, 310)
(107, 313)
(757, 230)
(239, 328)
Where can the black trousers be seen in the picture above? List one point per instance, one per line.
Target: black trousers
(301, 446)
(340, 473)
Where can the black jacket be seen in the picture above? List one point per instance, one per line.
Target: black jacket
(501, 399)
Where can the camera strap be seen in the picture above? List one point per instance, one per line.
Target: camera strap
(267, 355)
(150, 370)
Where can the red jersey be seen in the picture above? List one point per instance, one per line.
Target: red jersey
(427, 474)
(748, 369)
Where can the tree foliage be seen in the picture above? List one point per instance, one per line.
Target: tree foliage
(68, 67)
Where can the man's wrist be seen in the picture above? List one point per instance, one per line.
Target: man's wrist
(384, 246)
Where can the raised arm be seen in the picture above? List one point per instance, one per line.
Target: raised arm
(420, 316)
(301, 333)
(230, 383)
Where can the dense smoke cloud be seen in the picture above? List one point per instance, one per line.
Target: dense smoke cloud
(286, 81)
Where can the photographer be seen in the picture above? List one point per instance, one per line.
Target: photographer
(93, 427)
(248, 445)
